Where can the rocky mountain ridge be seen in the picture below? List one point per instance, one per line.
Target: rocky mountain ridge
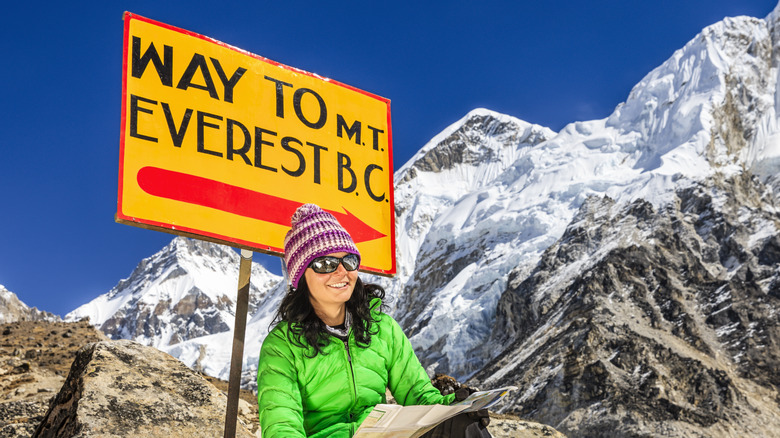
(12, 309)
(185, 291)
(641, 322)
(709, 110)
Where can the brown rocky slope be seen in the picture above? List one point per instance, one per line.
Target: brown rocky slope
(36, 357)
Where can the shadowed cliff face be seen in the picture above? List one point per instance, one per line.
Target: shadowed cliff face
(639, 321)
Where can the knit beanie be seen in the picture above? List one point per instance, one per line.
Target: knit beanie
(314, 233)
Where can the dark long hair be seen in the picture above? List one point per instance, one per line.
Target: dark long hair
(296, 309)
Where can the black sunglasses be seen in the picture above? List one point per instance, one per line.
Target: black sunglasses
(328, 264)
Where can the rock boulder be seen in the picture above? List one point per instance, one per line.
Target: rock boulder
(122, 388)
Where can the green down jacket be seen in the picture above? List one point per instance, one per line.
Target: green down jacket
(331, 394)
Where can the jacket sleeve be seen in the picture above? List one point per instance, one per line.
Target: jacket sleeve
(407, 379)
(278, 394)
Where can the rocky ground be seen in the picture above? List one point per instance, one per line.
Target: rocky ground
(35, 358)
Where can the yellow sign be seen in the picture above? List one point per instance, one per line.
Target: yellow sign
(224, 145)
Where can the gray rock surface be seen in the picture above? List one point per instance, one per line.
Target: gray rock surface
(502, 426)
(642, 322)
(121, 389)
(35, 357)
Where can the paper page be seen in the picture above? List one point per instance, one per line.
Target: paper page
(484, 399)
(404, 421)
(395, 421)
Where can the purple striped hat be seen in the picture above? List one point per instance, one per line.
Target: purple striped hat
(314, 233)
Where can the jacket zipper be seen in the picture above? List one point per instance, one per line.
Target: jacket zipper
(352, 372)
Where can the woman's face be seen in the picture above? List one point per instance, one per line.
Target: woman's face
(333, 289)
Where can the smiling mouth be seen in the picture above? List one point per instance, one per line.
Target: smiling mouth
(338, 285)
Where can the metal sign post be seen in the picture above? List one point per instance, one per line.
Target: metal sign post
(237, 357)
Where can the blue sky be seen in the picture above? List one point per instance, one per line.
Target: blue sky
(549, 63)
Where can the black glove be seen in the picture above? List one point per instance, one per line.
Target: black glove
(463, 393)
(447, 385)
(481, 416)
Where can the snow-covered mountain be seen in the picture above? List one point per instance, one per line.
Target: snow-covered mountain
(623, 273)
(12, 309)
(185, 291)
(711, 109)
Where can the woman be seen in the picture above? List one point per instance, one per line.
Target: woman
(333, 352)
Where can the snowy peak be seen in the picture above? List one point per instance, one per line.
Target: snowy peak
(467, 219)
(711, 105)
(184, 255)
(184, 291)
(472, 153)
(12, 309)
(478, 139)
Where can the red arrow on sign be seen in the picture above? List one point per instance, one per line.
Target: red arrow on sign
(209, 193)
